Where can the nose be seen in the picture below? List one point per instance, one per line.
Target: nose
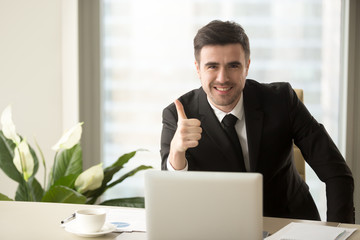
(222, 76)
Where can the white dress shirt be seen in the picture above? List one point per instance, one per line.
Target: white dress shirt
(240, 128)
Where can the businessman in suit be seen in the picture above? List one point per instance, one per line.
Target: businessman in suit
(266, 119)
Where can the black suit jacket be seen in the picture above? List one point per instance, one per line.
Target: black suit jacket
(274, 118)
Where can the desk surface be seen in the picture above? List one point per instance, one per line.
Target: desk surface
(29, 220)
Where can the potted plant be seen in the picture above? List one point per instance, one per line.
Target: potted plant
(67, 183)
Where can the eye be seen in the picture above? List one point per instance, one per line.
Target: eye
(234, 65)
(212, 67)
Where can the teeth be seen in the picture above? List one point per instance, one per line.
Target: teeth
(223, 89)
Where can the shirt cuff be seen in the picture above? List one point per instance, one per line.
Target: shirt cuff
(170, 167)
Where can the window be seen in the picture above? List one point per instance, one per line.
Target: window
(148, 62)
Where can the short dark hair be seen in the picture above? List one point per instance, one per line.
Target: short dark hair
(221, 33)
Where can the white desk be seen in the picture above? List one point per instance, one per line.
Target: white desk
(30, 220)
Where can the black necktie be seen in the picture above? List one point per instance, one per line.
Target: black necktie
(229, 127)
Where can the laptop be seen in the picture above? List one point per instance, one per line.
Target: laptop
(203, 205)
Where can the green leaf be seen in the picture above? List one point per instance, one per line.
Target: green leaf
(68, 162)
(108, 175)
(5, 198)
(118, 165)
(36, 190)
(129, 174)
(43, 161)
(6, 159)
(62, 194)
(22, 193)
(67, 181)
(29, 191)
(123, 159)
(136, 202)
(93, 195)
(36, 161)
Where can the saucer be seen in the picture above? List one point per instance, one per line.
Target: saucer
(107, 228)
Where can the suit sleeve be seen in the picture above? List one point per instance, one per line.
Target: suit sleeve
(321, 153)
(169, 121)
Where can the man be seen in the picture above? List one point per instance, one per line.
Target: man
(269, 117)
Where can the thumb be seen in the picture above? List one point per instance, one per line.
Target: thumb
(180, 110)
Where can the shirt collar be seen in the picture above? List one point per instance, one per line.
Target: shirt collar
(237, 111)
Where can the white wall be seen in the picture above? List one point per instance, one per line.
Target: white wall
(32, 57)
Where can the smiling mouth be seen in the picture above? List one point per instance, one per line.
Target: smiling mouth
(223, 89)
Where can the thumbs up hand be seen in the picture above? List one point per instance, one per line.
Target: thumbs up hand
(188, 132)
(187, 135)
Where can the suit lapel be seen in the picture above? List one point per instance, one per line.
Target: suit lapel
(212, 127)
(254, 123)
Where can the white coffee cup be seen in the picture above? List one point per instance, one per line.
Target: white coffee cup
(90, 220)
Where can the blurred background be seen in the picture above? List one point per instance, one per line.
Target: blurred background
(148, 62)
(116, 64)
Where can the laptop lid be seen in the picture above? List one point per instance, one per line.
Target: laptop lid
(203, 205)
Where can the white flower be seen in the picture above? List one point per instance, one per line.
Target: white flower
(90, 179)
(23, 160)
(8, 127)
(70, 138)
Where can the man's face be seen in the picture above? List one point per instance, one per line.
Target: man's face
(222, 70)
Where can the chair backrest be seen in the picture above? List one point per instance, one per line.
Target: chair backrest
(298, 157)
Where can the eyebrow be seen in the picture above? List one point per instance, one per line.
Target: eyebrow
(211, 63)
(216, 63)
(234, 62)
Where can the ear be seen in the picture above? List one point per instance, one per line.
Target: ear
(248, 66)
(197, 65)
